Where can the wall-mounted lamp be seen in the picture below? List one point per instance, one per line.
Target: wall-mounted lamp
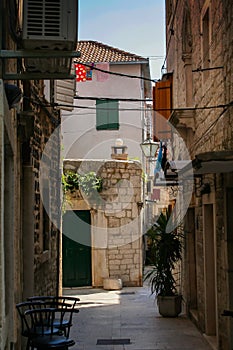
(13, 95)
(205, 188)
(149, 148)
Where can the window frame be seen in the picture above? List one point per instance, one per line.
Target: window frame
(206, 38)
(107, 114)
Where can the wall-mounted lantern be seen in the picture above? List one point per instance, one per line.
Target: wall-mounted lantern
(150, 148)
(13, 95)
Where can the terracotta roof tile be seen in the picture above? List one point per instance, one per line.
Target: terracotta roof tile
(94, 51)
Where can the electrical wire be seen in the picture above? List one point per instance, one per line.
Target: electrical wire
(171, 34)
(117, 74)
(94, 98)
(112, 99)
(202, 60)
(211, 126)
(54, 105)
(198, 69)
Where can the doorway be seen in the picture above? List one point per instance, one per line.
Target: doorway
(76, 248)
(191, 258)
(229, 210)
(210, 271)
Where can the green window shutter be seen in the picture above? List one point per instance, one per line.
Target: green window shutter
(107, 115)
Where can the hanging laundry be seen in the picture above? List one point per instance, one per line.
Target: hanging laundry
(80, 71)
(100, 75)
(164, 157)
(89, 73)
(159, 159)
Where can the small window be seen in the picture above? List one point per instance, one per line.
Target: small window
(169, 10)
(206, 42)
(45, 221)
(107, 115)
(46, 229)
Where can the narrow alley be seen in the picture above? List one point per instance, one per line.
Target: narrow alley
(128, 319)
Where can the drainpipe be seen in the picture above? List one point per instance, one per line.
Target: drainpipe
(2, 256)
(59, 235)
(1, 19)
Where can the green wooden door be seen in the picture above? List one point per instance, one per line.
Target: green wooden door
(76, 248)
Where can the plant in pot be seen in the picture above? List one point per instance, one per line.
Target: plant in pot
(166, 253)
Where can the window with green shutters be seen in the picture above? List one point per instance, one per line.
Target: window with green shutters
(107, 115)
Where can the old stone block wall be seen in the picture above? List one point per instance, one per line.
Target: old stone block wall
(117, 211)
(122, 182)
(207, 87)
(26, 267)
(45, 159)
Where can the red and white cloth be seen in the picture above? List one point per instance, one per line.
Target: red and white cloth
(80, 72)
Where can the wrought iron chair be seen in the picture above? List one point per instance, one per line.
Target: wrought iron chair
(58, 302)
(42, 333)
(22, 308)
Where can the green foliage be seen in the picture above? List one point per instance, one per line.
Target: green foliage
(87, 183)
(70, 181)
(166, 251)
(90, 183)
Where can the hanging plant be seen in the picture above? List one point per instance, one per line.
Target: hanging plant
(70, 182)
(88, 183)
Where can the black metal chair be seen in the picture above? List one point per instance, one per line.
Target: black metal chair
(42, 333)
(58, 302)
(61, 298)
(22, 308)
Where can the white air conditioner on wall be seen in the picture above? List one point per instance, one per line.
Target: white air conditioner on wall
(49, 25)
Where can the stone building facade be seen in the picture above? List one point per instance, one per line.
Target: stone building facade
(43, 156)
(116, 219)
(200, 62)
(29, 222)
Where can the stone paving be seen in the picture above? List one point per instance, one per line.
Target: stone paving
(128, 319)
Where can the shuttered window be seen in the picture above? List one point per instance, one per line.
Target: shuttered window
(107, 115)
(206, 43)
(162, 103)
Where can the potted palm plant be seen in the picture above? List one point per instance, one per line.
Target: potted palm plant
(166, 252)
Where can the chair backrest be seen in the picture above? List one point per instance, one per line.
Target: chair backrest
(72, 301)
(22, 308)
(66, 300)
(41, 321)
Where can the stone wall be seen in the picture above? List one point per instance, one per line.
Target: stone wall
(45, 158)
(209, 92)
(25, 267)
(116, 219)
(122, 193)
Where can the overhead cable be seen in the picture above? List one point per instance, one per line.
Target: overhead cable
(171, 34)
(210, 127)
(115, 73)
(112, 98)
(230, 104)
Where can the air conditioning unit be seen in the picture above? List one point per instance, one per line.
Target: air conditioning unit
(49, 25)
